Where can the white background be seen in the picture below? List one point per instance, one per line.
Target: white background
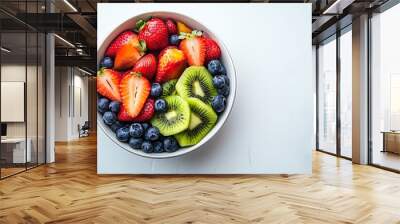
(270, 129)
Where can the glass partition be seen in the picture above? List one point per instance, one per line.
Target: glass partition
(22, 101)
(385, 89)
(327, 96)
(346, 93)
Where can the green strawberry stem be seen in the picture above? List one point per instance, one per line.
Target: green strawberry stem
(142, 46)
(100, 72)
(140, 24)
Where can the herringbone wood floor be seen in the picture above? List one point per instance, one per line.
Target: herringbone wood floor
(70, 191)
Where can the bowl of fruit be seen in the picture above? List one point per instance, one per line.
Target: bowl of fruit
(166, 85)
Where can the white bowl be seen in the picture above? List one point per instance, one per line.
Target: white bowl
(226, 60)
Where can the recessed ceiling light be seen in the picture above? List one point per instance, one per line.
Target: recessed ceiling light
(64, 40)
(5, 50)
(70, 5)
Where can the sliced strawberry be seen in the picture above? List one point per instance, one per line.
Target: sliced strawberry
(172, 29)
(129, 54)
(212, 49)
(154, 32)
(118, 42)
(123, 115)
(134, 90)
(195, 50)
(147, 66)
(108, 82)
(146, 113)
(171, 63)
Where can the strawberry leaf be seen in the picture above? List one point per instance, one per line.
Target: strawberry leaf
(140, 24)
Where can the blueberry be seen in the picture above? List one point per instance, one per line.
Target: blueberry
(152, 134)
(218, 103)
(174, 40)
(222, 70)
(114, 106)
(170, 144)
(135, 143)
(136, 130)
(123, 134)
(216, 68)
(106, 62)
(158, 147)
(224, 91)
(160, 105)
(147, 147)
(220, 81)
(102, 104)
(109, 118)
(117, 125)
(156, 90)
(145, 126)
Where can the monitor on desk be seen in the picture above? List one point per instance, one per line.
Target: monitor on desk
(3, 130)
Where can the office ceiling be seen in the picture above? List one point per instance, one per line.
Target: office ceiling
(75, 20)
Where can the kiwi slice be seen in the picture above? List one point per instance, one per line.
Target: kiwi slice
(175, 119)
(196, 82)
(169, 88)
(202, 120)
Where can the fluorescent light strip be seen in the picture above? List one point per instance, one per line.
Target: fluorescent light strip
(326, 11)
(5, 50)
(64, 40)
(70, 5)
(84, 71)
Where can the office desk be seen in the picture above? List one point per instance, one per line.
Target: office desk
(15, 148)
(391, 141)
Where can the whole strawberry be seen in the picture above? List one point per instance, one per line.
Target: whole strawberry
(172, 29)
(154, 32)
(147, 66)
(118, 42)
(212, 49)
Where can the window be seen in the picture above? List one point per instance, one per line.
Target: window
(346, 93)
(385, 89)
(327, 97)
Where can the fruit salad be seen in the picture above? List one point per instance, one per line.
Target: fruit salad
(161, 85)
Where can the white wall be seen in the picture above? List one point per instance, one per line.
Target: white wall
(70, 83)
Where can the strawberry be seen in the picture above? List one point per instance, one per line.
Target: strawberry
(108, 82)
(134, 89)
(212, 50)
(145, 114)
(129, 54)
(147, 66)
(171, 63)
(171, 26)
(118, 42)
(154, 32)
(194, 47)
(123, 115)
(182, 28)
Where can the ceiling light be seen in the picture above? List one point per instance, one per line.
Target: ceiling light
(337, 7)
(70, 5)
(5, 50)
(64, 40)
(84, 71)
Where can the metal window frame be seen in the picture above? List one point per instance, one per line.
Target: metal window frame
(337, 35)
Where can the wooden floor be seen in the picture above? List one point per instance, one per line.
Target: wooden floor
(70, 191)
